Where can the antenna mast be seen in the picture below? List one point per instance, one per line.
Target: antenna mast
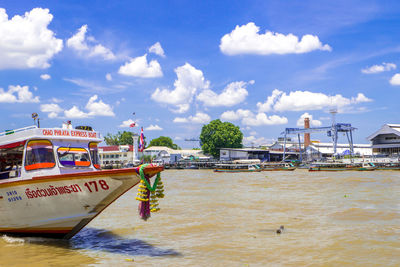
(333, 112)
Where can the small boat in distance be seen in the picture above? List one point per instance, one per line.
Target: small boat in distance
(236, 167)
(51, 183)
(340, 166)
(366, 166)
(387, 166)
(277, 166)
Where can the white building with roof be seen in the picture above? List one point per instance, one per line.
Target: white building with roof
(117, 155)
(326, 149)
(169, 155)
(386, 140)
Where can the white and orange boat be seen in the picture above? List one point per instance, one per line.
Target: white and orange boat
(51, 183)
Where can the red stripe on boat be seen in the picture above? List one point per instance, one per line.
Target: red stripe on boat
(12, 145)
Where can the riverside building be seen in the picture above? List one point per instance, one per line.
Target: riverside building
(386, 141)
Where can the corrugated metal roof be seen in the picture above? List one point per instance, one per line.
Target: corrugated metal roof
(386, 129)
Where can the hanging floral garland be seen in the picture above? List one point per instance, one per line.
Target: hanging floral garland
(148, 195)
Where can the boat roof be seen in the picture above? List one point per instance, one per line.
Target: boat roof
(19, 136)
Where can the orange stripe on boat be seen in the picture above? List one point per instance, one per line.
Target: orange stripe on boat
(42, 165)
(82, 163)
(72, 149)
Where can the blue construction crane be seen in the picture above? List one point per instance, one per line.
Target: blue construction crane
(331, 131)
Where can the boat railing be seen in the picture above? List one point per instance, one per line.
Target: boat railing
(8, 132)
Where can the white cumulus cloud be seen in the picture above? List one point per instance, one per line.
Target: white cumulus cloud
(395, 80)
(189, 81)
(231, 115)
(45, 76)
(139, 67)
(17, 94)
(379, 68)
(313, 123)
(263, 119)
(75, 113)
(53, 109)
(306, 100)
(246, 39)
(88, 46)
(255, 141)
(127, 123)
(199, 118)
(94, 107)
(56, 100)
(153, 128)
(98, 108)
(234, 93)
(25, 41)
(157, 49)
(248, 118)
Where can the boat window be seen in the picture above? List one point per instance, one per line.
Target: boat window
(94, 154)
(39, 155)
(73, 157)
(11, 160)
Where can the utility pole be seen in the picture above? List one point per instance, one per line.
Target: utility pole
(334, 130)
(135, 137)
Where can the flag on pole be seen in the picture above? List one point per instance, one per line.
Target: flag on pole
(141, 141)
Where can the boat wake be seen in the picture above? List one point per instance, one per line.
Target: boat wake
(12, 240)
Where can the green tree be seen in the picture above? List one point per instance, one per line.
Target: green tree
(121, 138)
(111, 140)
(147, 158)
(217, 134)
(164, 141)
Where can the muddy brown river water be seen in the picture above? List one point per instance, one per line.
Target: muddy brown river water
(230, 219)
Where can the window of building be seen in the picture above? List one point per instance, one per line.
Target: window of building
(39, 155)
(73, 157)
(94, 154)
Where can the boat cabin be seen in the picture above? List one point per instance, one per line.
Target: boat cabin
(31, 151)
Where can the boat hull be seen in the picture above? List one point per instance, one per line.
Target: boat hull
(61, 205)
(316, 169)
(237, 170)
(279, 169)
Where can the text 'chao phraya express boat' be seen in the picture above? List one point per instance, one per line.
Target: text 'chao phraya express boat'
(51, 183)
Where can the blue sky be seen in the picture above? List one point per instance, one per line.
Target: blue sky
(262, 65)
